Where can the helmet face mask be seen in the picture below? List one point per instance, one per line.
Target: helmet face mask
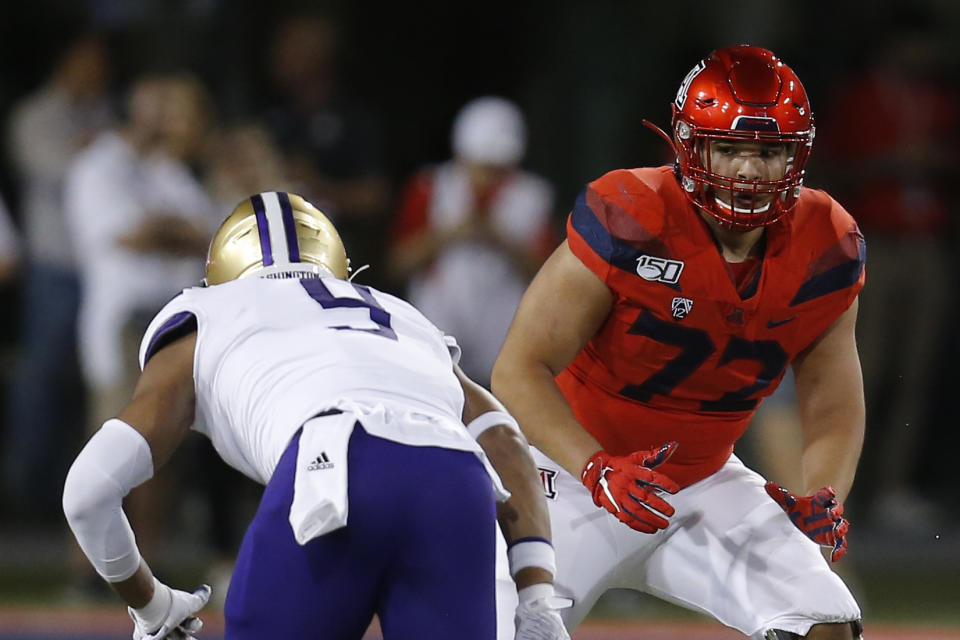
(741, 97)
(275, 235)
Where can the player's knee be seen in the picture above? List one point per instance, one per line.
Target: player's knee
(835, 631)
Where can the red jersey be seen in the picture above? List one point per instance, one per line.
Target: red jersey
(683, 356)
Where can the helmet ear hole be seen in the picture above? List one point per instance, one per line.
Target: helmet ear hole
(273, 233)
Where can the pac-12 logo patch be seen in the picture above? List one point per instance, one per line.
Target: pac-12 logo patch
(681, 307)
(548, 477)
(659, 269)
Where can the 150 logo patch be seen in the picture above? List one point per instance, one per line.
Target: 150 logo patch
(659, 269)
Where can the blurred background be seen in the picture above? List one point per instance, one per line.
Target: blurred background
(447, 142)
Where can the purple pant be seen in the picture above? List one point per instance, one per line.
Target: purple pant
(418, 550)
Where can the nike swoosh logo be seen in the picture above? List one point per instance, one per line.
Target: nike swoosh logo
(776, 323)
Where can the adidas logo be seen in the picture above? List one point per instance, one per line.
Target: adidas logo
(322, 462)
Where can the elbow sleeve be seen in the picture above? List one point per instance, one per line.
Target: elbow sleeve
(114, 461)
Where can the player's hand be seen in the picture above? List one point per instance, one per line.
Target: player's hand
(537, 616)
(179, 622)
(629, 487)
(819, 516)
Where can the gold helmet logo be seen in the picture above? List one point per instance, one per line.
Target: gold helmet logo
(274, 234)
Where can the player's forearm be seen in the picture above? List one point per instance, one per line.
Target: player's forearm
(525, 514)
(137, 590)
(832, 440)
(532, 396)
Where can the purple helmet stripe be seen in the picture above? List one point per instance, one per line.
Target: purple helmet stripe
(263, 228)
(286, 212)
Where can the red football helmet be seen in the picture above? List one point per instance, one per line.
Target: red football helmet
(741, 93)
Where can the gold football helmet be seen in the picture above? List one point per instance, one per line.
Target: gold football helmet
(275, 235)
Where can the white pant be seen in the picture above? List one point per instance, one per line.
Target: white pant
(730, 552)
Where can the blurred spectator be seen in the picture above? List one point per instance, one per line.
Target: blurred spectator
(891, 133)
(330, 143)
(9, 246)
(140, 220)
(244, 162)
(471, 232)
(46, 131)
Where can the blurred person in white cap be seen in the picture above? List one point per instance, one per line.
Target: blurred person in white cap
(471, 232)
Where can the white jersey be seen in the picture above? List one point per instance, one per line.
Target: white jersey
(270, 354)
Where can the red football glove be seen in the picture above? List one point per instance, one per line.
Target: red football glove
(819, 516)
(627, 486)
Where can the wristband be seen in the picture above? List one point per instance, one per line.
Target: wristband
(531, 552)
(491, 419)
(535, 592)
(542, 597)
(152, 614)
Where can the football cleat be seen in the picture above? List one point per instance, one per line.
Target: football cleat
(275, 235)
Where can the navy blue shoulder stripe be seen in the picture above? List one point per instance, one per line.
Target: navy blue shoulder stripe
(176, 326)
(618, 252)
(836, 278)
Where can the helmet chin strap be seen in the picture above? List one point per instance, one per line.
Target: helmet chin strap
(354, 274)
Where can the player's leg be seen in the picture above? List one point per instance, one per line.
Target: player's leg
(588, 541)
(441, 525)
(324, 589)
(733, 554)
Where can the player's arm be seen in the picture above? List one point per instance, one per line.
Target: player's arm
(830, 402)
(123, 454)
(523, 518)
(564, 306)
(524, 515)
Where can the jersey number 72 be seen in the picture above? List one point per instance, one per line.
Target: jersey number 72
(696, 347)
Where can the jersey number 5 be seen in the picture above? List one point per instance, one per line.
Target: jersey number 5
(356, 297)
